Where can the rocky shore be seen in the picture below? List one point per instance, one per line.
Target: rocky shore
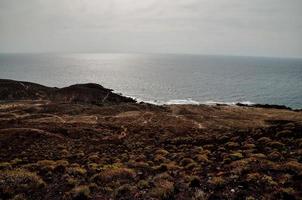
(86, 142)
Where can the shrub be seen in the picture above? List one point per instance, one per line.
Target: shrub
(162, 152)
(232, 144)
(293, 166)
(143, 184)
(81, 192)
(5, 166)
(186, 161)
(19, 181)
(264, 140)
(285, 178)
(208, 146)
(160, 168)
(258, 155)
(276, 145)
(216, 181)
(239, 166)
(253, 177)
(164, 189)
(61, 165)
(16, 161)
(93, 168)
(62, 162)
(191, 166)
(94, 159)
(275, 155)
(72, 181)
(198, 149)
(202, 158)
(159, 158)
(122, 191)
(76, 171)
(194, 181)
(114, 172)
(285, 133)
(46, 165)
(249, 146)
(173, 166)
(236, 156)
(268, 180)
(299, 142)
(287, 193)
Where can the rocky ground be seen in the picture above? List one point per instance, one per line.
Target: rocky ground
(71, 147)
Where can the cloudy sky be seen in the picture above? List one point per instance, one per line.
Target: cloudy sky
(235, 27)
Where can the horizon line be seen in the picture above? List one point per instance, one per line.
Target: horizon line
(159, 53)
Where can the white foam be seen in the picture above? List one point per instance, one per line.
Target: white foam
(227, 103)
(189, 101)
(182, 102)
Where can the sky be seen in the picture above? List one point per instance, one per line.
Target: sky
(230, 27)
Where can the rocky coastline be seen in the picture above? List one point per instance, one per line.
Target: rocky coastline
(86, 142)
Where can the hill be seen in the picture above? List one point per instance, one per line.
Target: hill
(70, 143)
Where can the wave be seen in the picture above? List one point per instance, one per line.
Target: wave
(182, 102)
(249, 103)
(211, 103)
(190, 101)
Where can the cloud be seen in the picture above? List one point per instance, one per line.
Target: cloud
(270, 27)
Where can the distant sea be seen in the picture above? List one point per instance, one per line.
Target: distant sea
(167, 78)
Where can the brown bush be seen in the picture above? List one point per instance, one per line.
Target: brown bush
(19, 181)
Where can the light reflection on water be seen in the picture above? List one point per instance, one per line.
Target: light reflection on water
(167, 77)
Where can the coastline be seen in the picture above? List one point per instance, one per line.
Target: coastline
(86, 142)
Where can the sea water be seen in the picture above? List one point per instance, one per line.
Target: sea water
(167, 78)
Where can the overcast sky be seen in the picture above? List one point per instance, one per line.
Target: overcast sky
(235, 27)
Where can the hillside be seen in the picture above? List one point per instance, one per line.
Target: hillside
(70, 143)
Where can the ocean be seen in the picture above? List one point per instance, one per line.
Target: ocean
(166, 79)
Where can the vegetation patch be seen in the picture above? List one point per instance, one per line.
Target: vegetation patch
(19, 181)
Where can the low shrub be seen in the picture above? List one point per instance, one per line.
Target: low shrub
(163, 189)
(216, 181)
(19, 181)
(114, 172)
(81, 192)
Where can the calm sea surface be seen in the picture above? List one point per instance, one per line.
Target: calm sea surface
(167, 78)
